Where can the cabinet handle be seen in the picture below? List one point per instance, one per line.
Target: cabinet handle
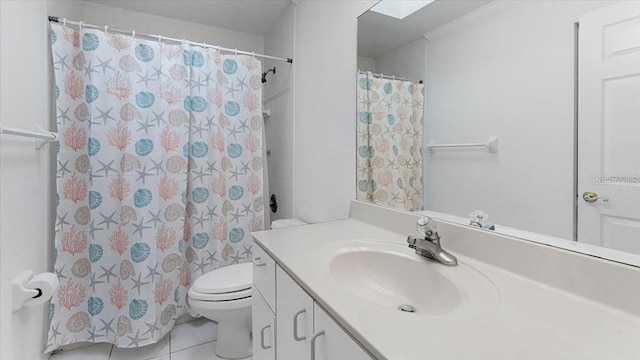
(256, 263)
(262, 345)
(295, 326)
(313, 343)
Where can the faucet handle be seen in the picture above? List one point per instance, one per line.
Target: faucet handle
(480, 219)
(427, 226)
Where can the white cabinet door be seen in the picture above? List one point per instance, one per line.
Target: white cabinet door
(295, 319)
(263, 323)
(330, 342)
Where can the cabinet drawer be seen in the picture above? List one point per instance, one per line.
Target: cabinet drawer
(264, 276)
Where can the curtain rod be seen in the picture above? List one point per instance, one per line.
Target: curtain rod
(81, 24)
(391, 77)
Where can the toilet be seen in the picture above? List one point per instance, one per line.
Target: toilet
(224, 296)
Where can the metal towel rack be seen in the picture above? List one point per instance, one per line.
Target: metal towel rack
(491, 145)
(40, 134)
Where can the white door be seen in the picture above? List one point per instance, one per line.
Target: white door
(263, 322)
(330, 342)
(609, 127)
(294, 320)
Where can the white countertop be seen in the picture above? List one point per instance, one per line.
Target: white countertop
(531, 321)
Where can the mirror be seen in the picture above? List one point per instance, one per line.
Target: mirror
(528, 111)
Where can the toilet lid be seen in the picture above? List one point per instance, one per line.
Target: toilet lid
(234, 295)
(225, 280)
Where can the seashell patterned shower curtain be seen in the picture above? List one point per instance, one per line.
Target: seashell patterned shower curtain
(389, 142)
(159, 180)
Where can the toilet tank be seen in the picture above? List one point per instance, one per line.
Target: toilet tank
(283, 223)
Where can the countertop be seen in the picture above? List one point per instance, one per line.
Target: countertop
(531, 321)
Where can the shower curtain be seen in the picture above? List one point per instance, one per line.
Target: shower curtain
(389, 142)
(159, 180)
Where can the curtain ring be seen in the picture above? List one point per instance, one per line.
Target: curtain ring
(106, 29)
(204, 46)
(80, 24)
(253, 54)
(133, 34)
(393, 77)
(159, 40)
(235, 51)
(64, 23)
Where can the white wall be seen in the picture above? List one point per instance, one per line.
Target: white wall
(145, 23)
(405, 61)
(509, 75)
(26, 239)
(278, 97)
(325, 107)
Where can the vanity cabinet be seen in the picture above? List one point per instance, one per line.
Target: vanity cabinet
(302, 330)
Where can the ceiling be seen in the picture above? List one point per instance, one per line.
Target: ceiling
(251, 16)
(379, 34)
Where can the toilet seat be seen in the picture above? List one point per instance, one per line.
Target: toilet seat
(224, 284)
(235, 295)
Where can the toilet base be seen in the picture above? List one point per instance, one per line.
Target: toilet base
(234, 337)
(234, 326)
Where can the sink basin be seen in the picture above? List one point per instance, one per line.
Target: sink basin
(394, 277)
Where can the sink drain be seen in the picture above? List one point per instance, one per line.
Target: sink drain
(407, 308)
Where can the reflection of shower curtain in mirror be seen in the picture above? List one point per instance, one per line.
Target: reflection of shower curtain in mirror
(389, 160)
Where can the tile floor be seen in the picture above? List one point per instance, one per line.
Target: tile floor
(194, 340)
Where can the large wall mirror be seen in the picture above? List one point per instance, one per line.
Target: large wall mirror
(526, 110)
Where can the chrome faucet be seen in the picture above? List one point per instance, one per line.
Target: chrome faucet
(429, 247)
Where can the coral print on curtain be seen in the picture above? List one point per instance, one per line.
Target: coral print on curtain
(389, 130)
(159, 180)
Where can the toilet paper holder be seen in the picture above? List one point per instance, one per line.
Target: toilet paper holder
(23, 295)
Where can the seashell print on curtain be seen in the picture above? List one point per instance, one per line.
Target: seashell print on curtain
(159, 180)
(389, 142)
